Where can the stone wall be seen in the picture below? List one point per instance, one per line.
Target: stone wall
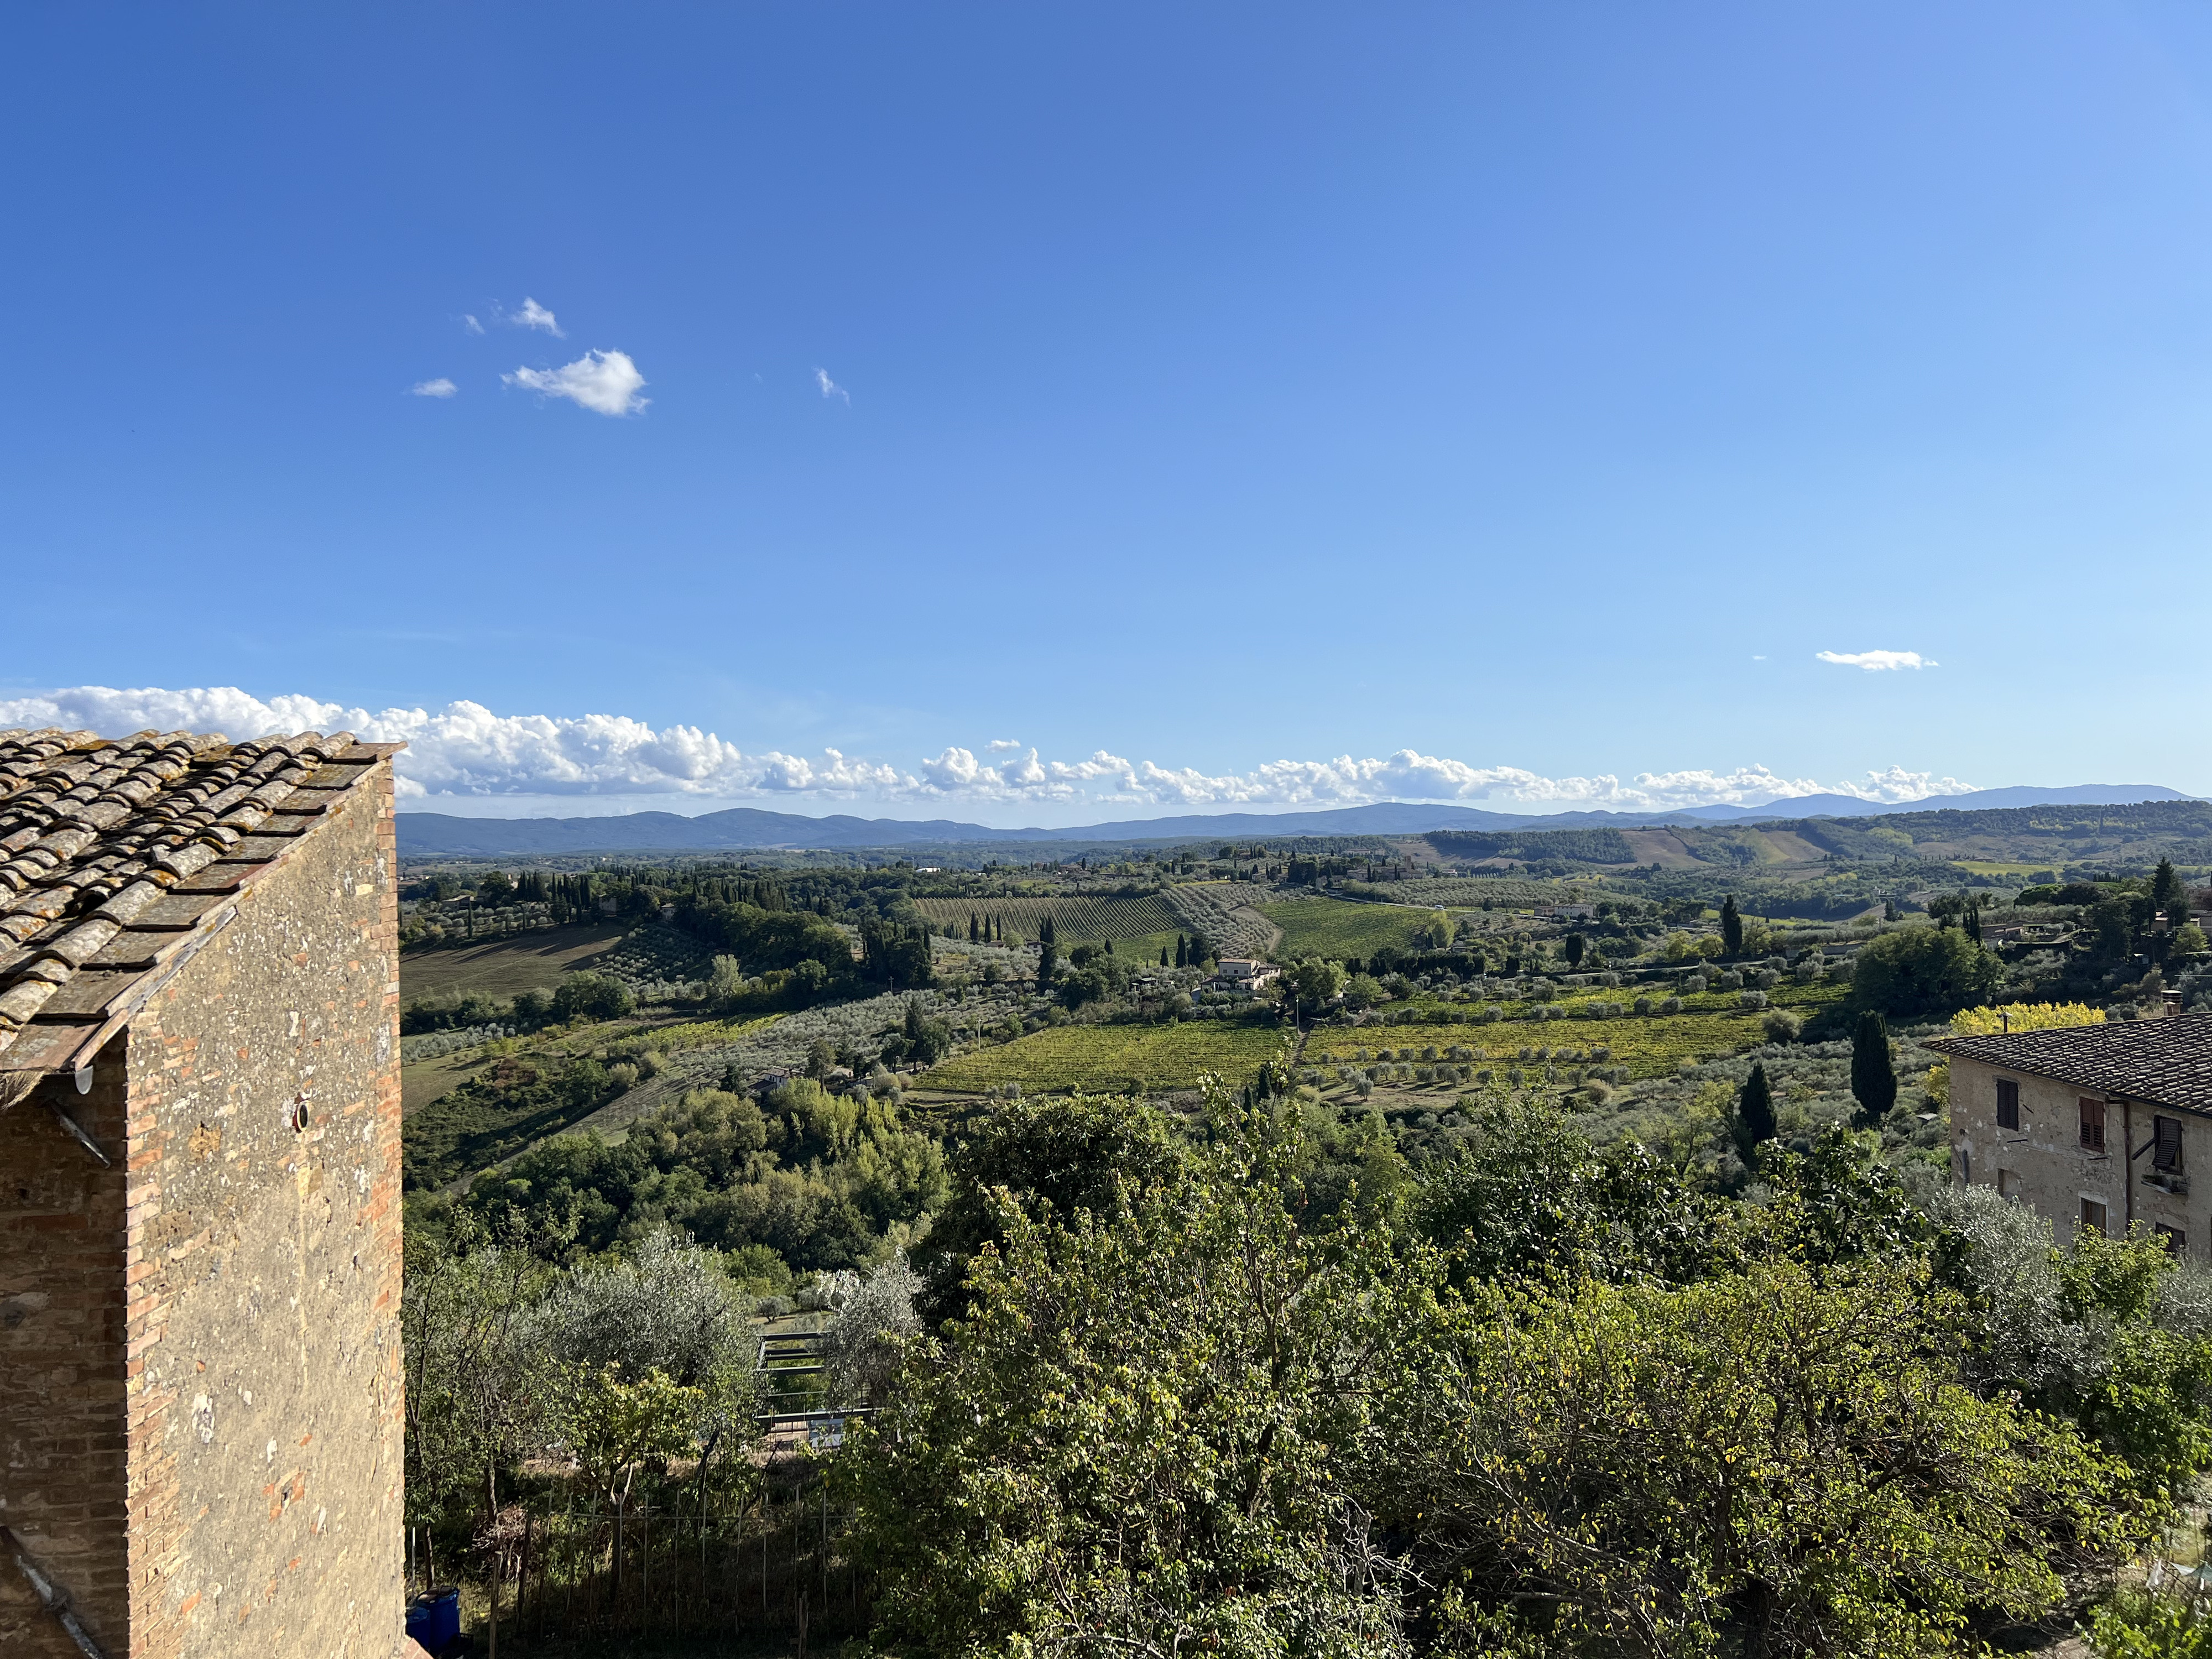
(2044, 1165)
(265, 1256)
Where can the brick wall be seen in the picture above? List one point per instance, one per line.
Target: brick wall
(62, 1296)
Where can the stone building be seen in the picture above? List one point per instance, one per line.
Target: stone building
(200, 1407)
(2094, 1125)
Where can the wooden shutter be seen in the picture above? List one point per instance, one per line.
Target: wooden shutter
(2092, 1125)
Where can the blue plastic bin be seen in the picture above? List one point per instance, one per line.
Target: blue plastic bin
(434, 1618)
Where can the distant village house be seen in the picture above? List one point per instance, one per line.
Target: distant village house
(2095, 1126)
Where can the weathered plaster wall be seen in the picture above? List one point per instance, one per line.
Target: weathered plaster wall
(2043, 1163)
(62, 1313)
(264, 1259)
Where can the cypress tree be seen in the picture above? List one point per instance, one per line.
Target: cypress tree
(1047, 963)
(1754, 1115)
(1110, 947)
(2167, 894)
(1874, 1075)
(1164, 956)
(1731, 927)
(971, 927)
(1183, 953)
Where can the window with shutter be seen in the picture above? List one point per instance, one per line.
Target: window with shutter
(2093, 1215)
(2092, 1125)
(2175, 1240)
(2007, 1103)
(2165, 1147)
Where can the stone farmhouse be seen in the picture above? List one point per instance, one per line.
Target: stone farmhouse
(200, 1405)
(2095, 1126)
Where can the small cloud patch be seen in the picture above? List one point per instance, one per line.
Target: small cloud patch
(441, 387)
(1876, 662)
(830, 388)
(533, 315)
(604, 382)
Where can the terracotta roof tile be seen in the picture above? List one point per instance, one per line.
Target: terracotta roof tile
(115, 853)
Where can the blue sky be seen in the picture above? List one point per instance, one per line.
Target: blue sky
(1232, 405)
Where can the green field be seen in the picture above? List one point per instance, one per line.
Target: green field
(1143, 922)
(1648, 1045)
(525, 962)
(1338, 927)
(1110, 1058)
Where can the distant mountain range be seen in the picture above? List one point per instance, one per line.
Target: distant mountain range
(435, 834)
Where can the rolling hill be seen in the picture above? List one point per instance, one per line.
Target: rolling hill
(439, 834)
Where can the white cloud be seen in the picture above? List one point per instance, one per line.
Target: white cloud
(605, 382)
(471, 324)
(1877, 661)
(1004, 745)
(830, 388)
(465, 750)
(533, 315)
(441, 387)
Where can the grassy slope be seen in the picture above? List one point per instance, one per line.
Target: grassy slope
(1111, 1058)
(1334, 927)
(527, 962)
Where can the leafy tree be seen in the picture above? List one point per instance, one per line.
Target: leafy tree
(1780, 1461)
(1363, 991)
(476, 1370)
(1050, 1158)
(1873, 1071)
(1754, 1123)
(1923, 971)
(863, 1347)
(1577, 945)
(1525, 1193)
(1132, 1442)
(593, 996)
(1312, 982)
(612, 1424)
(1098, 979)
(495, 889)
(726, 980)
(2024, 1017)
(1731, 926)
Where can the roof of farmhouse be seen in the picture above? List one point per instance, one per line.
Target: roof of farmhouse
(2164, 1062)
(120, 856)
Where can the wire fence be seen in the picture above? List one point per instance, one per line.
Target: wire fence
(562, 1573)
